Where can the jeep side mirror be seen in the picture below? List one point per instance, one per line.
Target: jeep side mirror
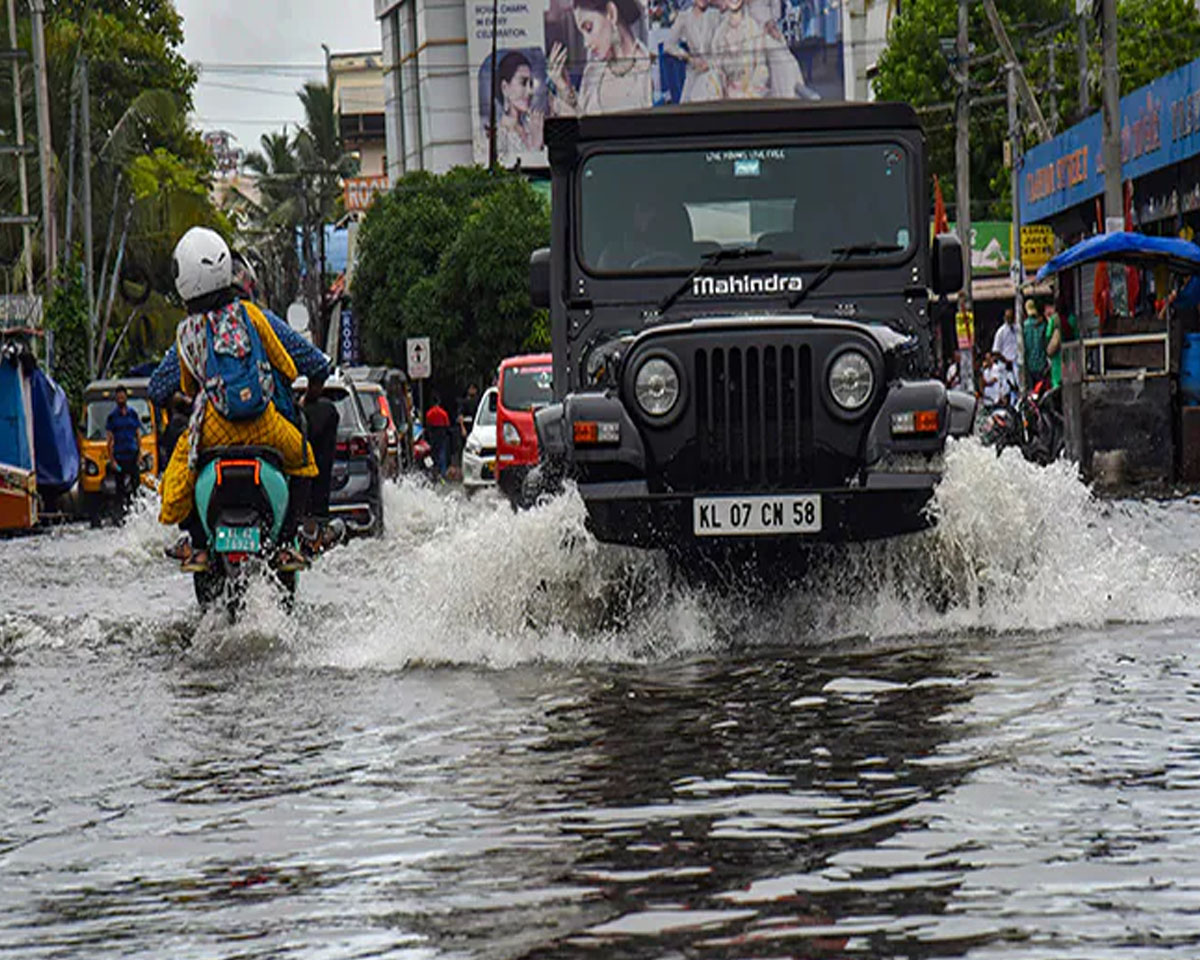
(947, 264)
(539, 277)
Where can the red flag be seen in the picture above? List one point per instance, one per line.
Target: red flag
(941, 224)
(1132, 276)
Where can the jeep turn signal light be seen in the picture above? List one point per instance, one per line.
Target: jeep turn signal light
(914, 422)
(597, 431)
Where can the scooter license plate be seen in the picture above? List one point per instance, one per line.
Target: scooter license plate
(238, 540)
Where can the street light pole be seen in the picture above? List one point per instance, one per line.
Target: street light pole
(42, 91)
(492, 88)
(962, 147)
(1111, 147)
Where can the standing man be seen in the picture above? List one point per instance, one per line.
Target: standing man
(124, 429)
(437, 429)
(1005, 342)
(1035, 344)
(466, 414)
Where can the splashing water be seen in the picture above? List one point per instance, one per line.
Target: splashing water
(465, 580)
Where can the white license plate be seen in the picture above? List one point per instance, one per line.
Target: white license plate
(755, 516)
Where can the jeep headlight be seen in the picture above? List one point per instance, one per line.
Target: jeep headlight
(656, 387)
(851, 380)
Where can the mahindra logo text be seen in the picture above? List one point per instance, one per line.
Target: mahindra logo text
(746, 283)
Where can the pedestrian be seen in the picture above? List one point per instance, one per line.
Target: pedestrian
(437, 431)
(992, 383)
(124, 430)
(1058, 329)
(1005, 342)
(466, 413)
(1035, 344)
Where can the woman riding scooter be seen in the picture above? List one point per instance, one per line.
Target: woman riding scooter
(227, 353)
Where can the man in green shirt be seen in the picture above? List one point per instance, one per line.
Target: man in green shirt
(1035, 343)
(1056, 332)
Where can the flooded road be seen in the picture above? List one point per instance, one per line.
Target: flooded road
(488, 736)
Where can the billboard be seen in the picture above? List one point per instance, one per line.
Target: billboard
(577, 57)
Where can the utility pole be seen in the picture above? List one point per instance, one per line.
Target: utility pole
(1111, 145)
(492, 87)
(1010, 57)
(1016, 267)
(42, 91)
(1053, 86)
(19, 113)
(89, 260)
(1081, 51)
(962, 147)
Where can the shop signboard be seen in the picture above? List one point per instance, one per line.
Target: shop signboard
(1160, 126)
(360, 192)
(1037, 246)
(576, 57)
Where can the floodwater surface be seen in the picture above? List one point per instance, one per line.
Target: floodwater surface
(488, 736)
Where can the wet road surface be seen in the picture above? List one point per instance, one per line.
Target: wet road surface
(489, 736)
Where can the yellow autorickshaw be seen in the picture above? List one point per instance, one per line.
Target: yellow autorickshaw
(99, 399)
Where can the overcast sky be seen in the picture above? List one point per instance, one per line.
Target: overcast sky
(283, 38)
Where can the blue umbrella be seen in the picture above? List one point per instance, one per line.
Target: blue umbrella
(1182, 256)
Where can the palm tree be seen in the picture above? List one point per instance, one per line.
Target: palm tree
(274, 216)
(324, 164)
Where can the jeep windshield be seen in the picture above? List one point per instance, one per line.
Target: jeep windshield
(663, 211)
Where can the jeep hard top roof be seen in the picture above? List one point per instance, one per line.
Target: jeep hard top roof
(718, 118)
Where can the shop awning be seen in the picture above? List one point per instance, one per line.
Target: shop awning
(1182, 256)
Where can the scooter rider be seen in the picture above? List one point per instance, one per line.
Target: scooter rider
(310, 362)
(233, 403)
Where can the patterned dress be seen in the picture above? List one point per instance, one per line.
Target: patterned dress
(207, 428)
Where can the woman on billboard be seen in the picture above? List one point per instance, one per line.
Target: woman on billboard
(696, 26)
(787, 79)
(617, 75)
(739, 47)
(519, 127)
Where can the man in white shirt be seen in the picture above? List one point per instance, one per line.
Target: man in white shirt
(1004, 342)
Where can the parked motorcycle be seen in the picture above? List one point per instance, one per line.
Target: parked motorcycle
(1035, 425)
(241, 499)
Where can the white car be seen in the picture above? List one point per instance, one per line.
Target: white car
(479, 452)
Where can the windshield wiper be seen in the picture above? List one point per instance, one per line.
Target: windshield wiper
(841, 255)
(707, 260)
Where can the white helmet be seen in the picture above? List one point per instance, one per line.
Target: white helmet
(201, 264)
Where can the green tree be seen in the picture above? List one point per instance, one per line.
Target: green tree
(1156, 36)
(66, 318)
(448, 257)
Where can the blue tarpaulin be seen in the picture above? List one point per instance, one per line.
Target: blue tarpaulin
(55, 451)
(1182, 256)
(14, 427)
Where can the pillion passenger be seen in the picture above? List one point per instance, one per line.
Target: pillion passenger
(230, 359)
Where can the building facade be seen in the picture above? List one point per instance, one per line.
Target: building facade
(356, 80)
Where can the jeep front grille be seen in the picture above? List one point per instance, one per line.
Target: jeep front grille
(754, 416)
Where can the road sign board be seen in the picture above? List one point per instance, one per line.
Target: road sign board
(419, 360)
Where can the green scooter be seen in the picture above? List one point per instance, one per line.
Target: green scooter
(242, 499)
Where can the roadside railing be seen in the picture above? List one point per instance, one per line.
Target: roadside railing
(1123, 357)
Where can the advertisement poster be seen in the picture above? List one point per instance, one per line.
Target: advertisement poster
(577, 57)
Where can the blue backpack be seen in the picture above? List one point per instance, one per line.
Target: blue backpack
(238, 379)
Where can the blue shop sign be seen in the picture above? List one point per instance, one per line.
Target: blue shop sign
(1160, 126)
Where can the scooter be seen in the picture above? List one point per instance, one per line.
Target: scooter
(1035, 425)
(241, 499)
